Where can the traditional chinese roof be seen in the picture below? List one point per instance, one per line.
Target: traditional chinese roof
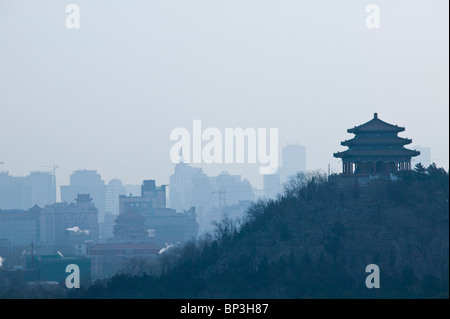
(377, 153)
(376, 140)
(376, 125)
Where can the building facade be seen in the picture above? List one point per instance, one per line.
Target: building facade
(293, 160)
(86, 182)
(20, 227)
(37, 188)
(164, 224)
(209, 195)
(69, 224)
(107, 259)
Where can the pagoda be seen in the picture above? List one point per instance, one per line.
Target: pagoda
(376, 149)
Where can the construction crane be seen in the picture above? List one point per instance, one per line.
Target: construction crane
(53, 167)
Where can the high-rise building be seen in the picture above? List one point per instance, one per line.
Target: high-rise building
(293, 161)
(113, 190)
(424, 157)
(86, 182)
(272, 185)
(37, 188)
(181, 191)
(190, 187)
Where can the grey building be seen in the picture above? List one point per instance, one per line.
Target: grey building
(293, 161)
(23, 192)
(20, 227)
(165, 225)
(69, 224)
(86, 182)
(210, 195)
(272, 185)
(113, 190)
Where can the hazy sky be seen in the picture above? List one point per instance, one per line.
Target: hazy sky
(106, 96)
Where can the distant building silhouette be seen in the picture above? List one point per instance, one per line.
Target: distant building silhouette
(59, 226)
(166, 225)
(83, 182)
(424, 157)
(210, 195)
(37, 188)
(107, 226)
(376, 149)
(293, 161)
(152, 198)
(134, 190)
(113, 190)
(69, 224)
(188, 186)
(272, 185)
(130, 227)
(20, 227)
(107, 259)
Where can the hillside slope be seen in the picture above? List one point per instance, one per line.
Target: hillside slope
(314, 241)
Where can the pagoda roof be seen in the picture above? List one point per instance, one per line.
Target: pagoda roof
(375, 125)
(375, 140)
(377, 153)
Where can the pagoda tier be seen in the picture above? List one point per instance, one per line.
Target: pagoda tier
(376, 140)
(376, 149)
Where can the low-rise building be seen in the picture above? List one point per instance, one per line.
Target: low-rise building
(20, 227)
(107, 259)
(166, 225)
(69, 224)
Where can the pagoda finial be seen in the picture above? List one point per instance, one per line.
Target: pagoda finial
(375, 115)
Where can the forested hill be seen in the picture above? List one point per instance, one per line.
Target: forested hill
(314, 241)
